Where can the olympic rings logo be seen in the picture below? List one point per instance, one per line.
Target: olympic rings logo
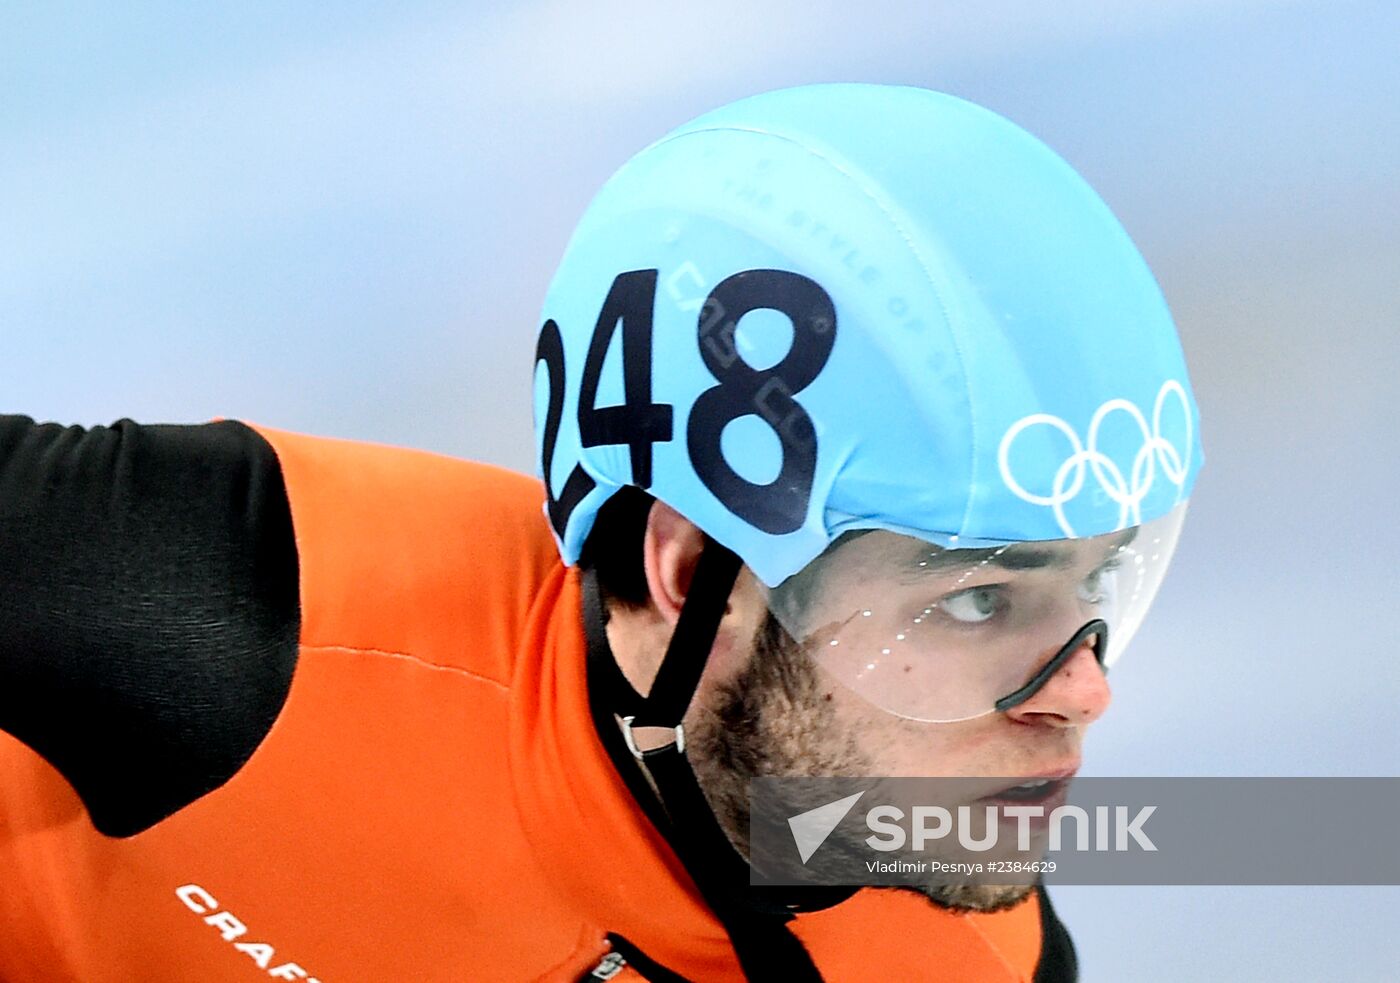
(1127, 492)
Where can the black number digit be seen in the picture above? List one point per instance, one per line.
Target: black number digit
(550, 350)
(638, 422)
(779, 506)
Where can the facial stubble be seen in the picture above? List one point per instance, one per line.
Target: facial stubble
(776, 718)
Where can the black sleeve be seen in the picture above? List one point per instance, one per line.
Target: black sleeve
(149, 607)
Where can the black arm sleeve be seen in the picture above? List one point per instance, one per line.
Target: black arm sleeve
(149, 608)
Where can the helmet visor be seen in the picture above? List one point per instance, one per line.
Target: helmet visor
(943, 635)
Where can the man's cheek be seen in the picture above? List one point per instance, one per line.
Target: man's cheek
(897, 747)
(737, 640)
(730, 657)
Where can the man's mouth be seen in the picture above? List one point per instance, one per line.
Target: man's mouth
(1048, 791)
(1035, 791)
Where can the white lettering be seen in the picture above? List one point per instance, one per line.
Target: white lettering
(673, 287)
(922, 834)
(196, 899)
(988, 840)
(946, 867)
(876, 820)
(896, 866)
(1081, 826)
(229, 926)
(1134, 828)
(1023, 816)
(260, 952)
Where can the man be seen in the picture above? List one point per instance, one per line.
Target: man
(866, 439)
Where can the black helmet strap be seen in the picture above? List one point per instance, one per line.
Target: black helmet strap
(755, 918)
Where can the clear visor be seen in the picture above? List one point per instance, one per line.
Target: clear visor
(943, 635)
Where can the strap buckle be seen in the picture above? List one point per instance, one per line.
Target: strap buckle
(640, 755)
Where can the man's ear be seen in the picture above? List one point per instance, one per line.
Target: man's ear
(671, 548)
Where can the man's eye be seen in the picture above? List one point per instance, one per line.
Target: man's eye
(1093, 589)
(974, 605)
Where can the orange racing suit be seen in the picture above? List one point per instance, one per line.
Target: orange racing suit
(383, 769)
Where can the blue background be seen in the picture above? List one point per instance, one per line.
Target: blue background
(343, 222)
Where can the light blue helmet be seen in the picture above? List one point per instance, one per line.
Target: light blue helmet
(855, 306)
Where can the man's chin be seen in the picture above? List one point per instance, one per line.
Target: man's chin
(980, 898)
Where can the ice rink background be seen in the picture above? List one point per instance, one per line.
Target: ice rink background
(343, 223)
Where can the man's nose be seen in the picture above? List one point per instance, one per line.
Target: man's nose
(1075, 696)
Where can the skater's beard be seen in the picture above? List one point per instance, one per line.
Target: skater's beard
(776, 719)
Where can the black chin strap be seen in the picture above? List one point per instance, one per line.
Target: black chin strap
(755, 918)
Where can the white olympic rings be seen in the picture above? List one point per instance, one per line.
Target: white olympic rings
(1127, 493)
